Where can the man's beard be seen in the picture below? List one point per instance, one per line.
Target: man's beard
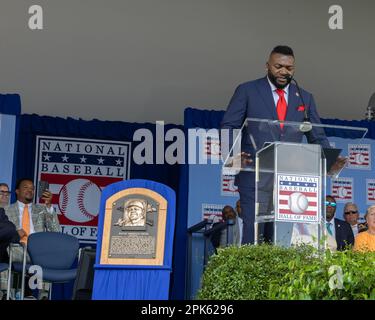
(274, 82)
(329, 216)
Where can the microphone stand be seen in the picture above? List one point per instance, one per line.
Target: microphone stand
(306, 125)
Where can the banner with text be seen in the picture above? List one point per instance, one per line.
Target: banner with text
(77, 170)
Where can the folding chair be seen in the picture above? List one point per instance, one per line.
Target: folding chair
(55, 253)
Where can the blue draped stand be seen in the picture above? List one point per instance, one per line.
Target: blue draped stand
(126, 282)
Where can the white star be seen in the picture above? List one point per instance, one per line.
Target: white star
(118, 162)
(101, 160)
(46, 157)
(83, 159)
(65, 158)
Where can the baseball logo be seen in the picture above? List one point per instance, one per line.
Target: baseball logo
(342, 192)
(215, 148)
(298, 202)
(359, 158)
(79, 200)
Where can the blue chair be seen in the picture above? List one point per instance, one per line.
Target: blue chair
(55, 253)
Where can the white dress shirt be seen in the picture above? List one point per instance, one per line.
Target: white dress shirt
(355, 229)
(331, 239)
(332, 223)
(275, 95)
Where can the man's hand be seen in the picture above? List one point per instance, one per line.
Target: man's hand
(47, 197)
(22, 233)
(338, 165)
(242, 160)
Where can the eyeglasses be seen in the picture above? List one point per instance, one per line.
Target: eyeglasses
(351, 212)
(5, 193)
(331, 204)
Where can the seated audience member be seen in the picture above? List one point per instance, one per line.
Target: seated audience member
(365, 241)
(4, 195)
(219, 239)
(28, 217)
(339, 233)
(351, 216)
(8, 234)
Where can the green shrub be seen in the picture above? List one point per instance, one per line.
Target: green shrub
(271, 272)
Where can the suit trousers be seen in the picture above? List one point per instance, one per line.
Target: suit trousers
(265, 206)
(247, 200)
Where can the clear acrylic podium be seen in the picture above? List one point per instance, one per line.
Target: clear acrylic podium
(290, 177)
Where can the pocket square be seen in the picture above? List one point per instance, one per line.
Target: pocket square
(301, 108)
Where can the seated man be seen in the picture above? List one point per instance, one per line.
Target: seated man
(8, 234)
(219, 238)
(4, 195)
(29, 217)
(351, 216)
(339, 232)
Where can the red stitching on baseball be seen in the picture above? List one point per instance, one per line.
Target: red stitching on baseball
(80, 200)
(64, 204)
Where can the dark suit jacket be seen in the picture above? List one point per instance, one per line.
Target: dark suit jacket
(8, 233)
(254, 99)
(344, 234)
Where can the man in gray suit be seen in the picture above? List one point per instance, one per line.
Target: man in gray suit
(41, 216)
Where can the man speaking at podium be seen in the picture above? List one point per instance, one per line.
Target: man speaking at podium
(273, 97)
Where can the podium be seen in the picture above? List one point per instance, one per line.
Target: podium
(289, 177)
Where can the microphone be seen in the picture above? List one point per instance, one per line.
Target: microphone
(306, 125)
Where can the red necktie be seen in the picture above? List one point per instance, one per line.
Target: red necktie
(281, 106)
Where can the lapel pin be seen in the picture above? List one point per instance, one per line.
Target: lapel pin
(297, 94)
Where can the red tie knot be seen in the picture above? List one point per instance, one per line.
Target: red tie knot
(280, 92)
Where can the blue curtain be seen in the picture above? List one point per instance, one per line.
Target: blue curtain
(10, 104)
(10, 107)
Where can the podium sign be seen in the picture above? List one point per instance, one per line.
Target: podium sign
(297, 198)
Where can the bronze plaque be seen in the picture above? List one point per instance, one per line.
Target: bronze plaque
(134, 228)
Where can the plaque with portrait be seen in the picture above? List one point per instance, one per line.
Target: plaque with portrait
(134, 228)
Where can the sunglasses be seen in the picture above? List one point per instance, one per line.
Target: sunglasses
(331, 204)
(351, 212)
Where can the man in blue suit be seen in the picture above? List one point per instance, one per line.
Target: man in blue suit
(272, 97)
(8, 233)
(339, 230)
